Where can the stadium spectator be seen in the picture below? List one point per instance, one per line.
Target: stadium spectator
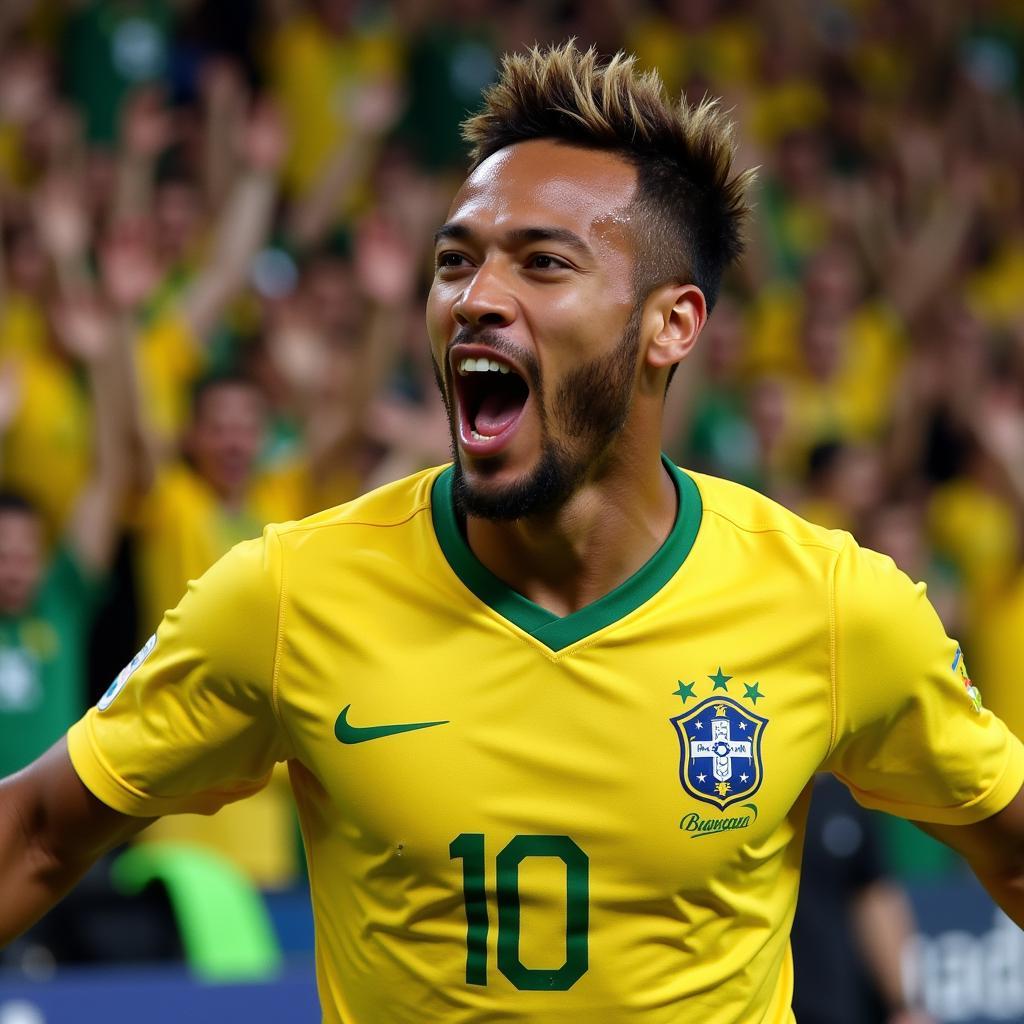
(589, 500)
(853, 923)
(254, 186)
(48, 597)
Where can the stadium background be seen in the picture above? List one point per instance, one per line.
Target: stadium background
(240, 196)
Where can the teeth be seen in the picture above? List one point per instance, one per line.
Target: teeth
(482, 365)
(480, 437)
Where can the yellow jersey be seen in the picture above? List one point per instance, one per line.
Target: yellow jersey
(514, 816)
(181, 530)
(52, 429)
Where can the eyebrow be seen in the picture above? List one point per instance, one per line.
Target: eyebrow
(520, 236)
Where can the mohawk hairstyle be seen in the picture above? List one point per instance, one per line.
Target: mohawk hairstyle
(690, 207)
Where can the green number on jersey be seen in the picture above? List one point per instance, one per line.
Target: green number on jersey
(469, 848)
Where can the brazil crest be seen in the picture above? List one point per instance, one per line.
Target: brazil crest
(720, 755)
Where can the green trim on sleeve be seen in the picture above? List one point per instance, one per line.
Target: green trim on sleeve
(553, 631)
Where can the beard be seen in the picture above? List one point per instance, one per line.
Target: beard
(590, 407)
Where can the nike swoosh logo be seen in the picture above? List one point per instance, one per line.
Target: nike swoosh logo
(348, 733)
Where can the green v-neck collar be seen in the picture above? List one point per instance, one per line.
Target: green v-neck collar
(557, 632)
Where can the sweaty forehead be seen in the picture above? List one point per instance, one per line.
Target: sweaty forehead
(542, 182)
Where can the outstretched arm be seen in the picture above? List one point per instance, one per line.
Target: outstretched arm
(94, 337)
(146, 131)
(52, 830)
(375, 109)
(385, 264)
(994, 848)
(244, 223)
(63, 225)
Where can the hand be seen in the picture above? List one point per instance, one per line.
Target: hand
(376, 106)
(128, 266)
(61, 217)
(415, 200)
(296, 347)
(84, 328)
(265, 137)
(11, 393)
(919, 151)
(420, 431)
(999, 425)
(222, 85)
(851, 202)
(911, 1017)
(24, 86)
(146, 125)
(385, 262)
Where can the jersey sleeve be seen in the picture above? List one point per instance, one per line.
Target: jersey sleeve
(191, 723)
(910, 734)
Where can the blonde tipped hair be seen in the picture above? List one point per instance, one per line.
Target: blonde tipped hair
(691, 206)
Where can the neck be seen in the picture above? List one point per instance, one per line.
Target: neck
(595, 542)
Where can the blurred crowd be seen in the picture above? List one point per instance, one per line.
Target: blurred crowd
(216, 233)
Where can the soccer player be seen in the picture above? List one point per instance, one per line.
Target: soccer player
(551, 713)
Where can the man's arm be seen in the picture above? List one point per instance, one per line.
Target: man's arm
(884, 925)
(994, 848)
(374, 109)
(244, 223)
(146, 131)
(90, 334)
(52, 830)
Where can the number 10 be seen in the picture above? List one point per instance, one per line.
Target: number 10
(469, 848)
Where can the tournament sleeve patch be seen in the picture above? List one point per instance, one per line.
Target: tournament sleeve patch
(973, 693)
(125, 674)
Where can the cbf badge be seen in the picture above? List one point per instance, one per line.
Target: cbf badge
(720, 751)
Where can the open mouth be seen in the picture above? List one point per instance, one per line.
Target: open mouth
(492, 396)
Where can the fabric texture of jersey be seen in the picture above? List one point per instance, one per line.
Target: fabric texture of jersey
(515, 817)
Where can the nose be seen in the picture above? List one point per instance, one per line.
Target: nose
(486, 301)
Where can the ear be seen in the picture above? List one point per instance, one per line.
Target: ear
(678, 313)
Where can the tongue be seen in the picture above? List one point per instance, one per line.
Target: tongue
(496, 413)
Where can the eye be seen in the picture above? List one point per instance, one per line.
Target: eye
(450, 260)
(545, 261)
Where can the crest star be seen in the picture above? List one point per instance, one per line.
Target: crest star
(685, 691)
(699, 724)
(743, 726)
(753, 693)
(702, 778)
(744, 777)
(719, 679)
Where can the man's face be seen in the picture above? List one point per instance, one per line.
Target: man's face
(21, 561)
(534, 324)
(226, 436)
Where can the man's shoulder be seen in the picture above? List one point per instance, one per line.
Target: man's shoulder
(392, 505)
(748, 511)
(299, 556)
